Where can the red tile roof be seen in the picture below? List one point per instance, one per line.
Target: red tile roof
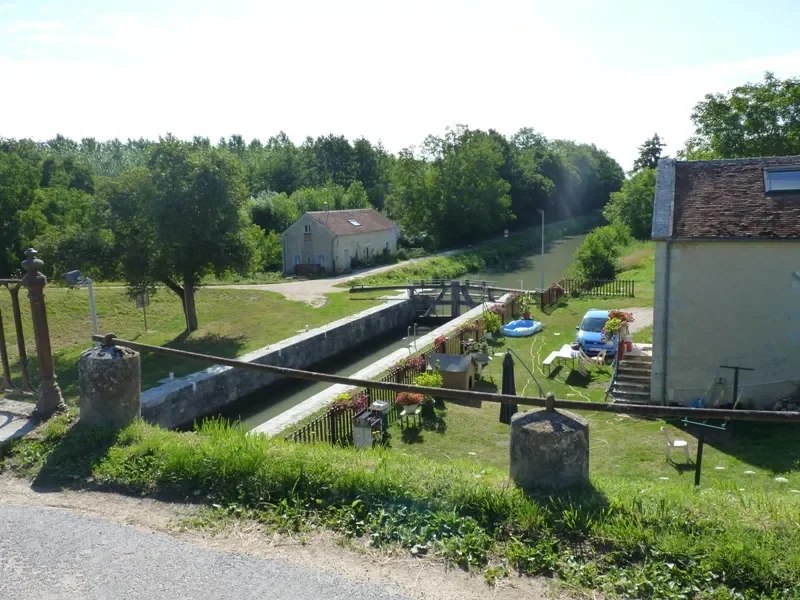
(726, 199)
(338, 221)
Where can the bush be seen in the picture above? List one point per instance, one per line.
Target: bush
(429, 379)
(402, 254)
(596, 257)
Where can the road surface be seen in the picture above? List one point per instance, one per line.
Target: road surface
(54, 554)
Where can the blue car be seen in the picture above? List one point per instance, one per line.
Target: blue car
(590, 334)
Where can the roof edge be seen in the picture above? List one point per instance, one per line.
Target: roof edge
(664, 200)
(755, 160)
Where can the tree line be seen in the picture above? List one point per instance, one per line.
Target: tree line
(170, 212)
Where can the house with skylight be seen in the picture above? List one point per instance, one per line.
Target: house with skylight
(331, 241)
(727, 282)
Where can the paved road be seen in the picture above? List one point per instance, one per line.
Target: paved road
(54, 554)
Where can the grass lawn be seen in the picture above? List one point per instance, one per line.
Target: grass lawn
(232, 322)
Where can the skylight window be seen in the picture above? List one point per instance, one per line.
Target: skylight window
(781, 179)
(354, 223)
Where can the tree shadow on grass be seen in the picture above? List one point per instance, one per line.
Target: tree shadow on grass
(157, 366)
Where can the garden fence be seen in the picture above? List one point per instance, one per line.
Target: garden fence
(598, 287)
(336, 425)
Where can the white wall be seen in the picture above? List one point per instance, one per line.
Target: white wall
(359, 242)
(295, 244)
(726, 303)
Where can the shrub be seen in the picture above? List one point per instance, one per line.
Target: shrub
(491, 322)
(402, 254)
(429, 379)
(408, 399)
(416, 363)
(596, 257)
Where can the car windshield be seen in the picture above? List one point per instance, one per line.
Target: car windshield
(594, 324)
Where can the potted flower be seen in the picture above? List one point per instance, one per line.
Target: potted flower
(429, 379)
(470, 330)
(479, 351)
(617, 324)
(409, 402)
(439, 344)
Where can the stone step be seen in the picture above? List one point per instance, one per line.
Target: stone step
(632, 385)
(635, 371)
(629, 395)
(624, 376)
(648, 360)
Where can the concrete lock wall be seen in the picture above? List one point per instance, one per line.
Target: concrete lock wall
(181, 401)
(726, 303)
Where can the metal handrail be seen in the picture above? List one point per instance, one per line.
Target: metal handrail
(613, 377)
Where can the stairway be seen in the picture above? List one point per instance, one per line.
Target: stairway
(632, 385)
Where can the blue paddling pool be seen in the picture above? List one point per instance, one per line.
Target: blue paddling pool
(521, 328)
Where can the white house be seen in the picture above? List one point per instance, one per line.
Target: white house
(328, 241)
(727, 280)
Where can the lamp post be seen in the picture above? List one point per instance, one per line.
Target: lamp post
(75, 279)
(541, 266)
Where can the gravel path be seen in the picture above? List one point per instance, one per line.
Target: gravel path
(642, 317)
(48, 554)
(312, 291)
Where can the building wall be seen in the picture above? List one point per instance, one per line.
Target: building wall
(726, 303)
(358, 243)
(295, 243)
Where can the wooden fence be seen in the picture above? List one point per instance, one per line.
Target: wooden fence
(336, 425)
(598, 287)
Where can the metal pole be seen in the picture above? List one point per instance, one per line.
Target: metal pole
(92, 309)
(50, 399)
(699, 462)
(144, 311)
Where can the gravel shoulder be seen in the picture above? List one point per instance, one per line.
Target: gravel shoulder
(95, 545)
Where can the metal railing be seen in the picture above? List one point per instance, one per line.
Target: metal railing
(599, 287)
(48, 394)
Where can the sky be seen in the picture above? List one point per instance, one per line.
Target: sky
(609, 72)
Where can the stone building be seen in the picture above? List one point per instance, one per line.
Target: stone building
(329, 241)
(727, 280)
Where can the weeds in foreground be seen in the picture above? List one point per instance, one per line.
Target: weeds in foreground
(616, 538)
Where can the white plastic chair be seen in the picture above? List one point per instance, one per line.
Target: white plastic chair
(675, 443)
(600, 359)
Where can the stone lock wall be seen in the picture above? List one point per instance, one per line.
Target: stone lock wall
(183, 400)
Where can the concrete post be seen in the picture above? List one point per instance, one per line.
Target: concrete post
(549, 449)
(50, 399)
(110, 386)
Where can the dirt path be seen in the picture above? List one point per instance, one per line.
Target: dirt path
(312, 291)
(426, 579)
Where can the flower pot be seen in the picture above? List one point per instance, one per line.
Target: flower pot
(526, 315)
(427, 410)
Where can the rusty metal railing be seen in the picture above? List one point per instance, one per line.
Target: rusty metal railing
(48, 393)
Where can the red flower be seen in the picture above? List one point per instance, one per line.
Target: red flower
(408, 399)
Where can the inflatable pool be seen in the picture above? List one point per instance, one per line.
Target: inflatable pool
(521, 328)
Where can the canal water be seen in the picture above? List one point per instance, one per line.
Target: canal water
(557, 257)
(259, 407)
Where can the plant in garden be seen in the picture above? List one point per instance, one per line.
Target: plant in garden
(491, 321)
(617, 319)
(429, 379)
(415, 363)
(355, 402)
(408, 399)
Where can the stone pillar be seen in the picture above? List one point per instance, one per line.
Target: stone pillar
(110, 386)
(50, 399)
(549, 449)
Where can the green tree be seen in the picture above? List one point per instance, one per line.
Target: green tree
(649, 153)
(181, 217)
(632, 206)
(755, 119)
